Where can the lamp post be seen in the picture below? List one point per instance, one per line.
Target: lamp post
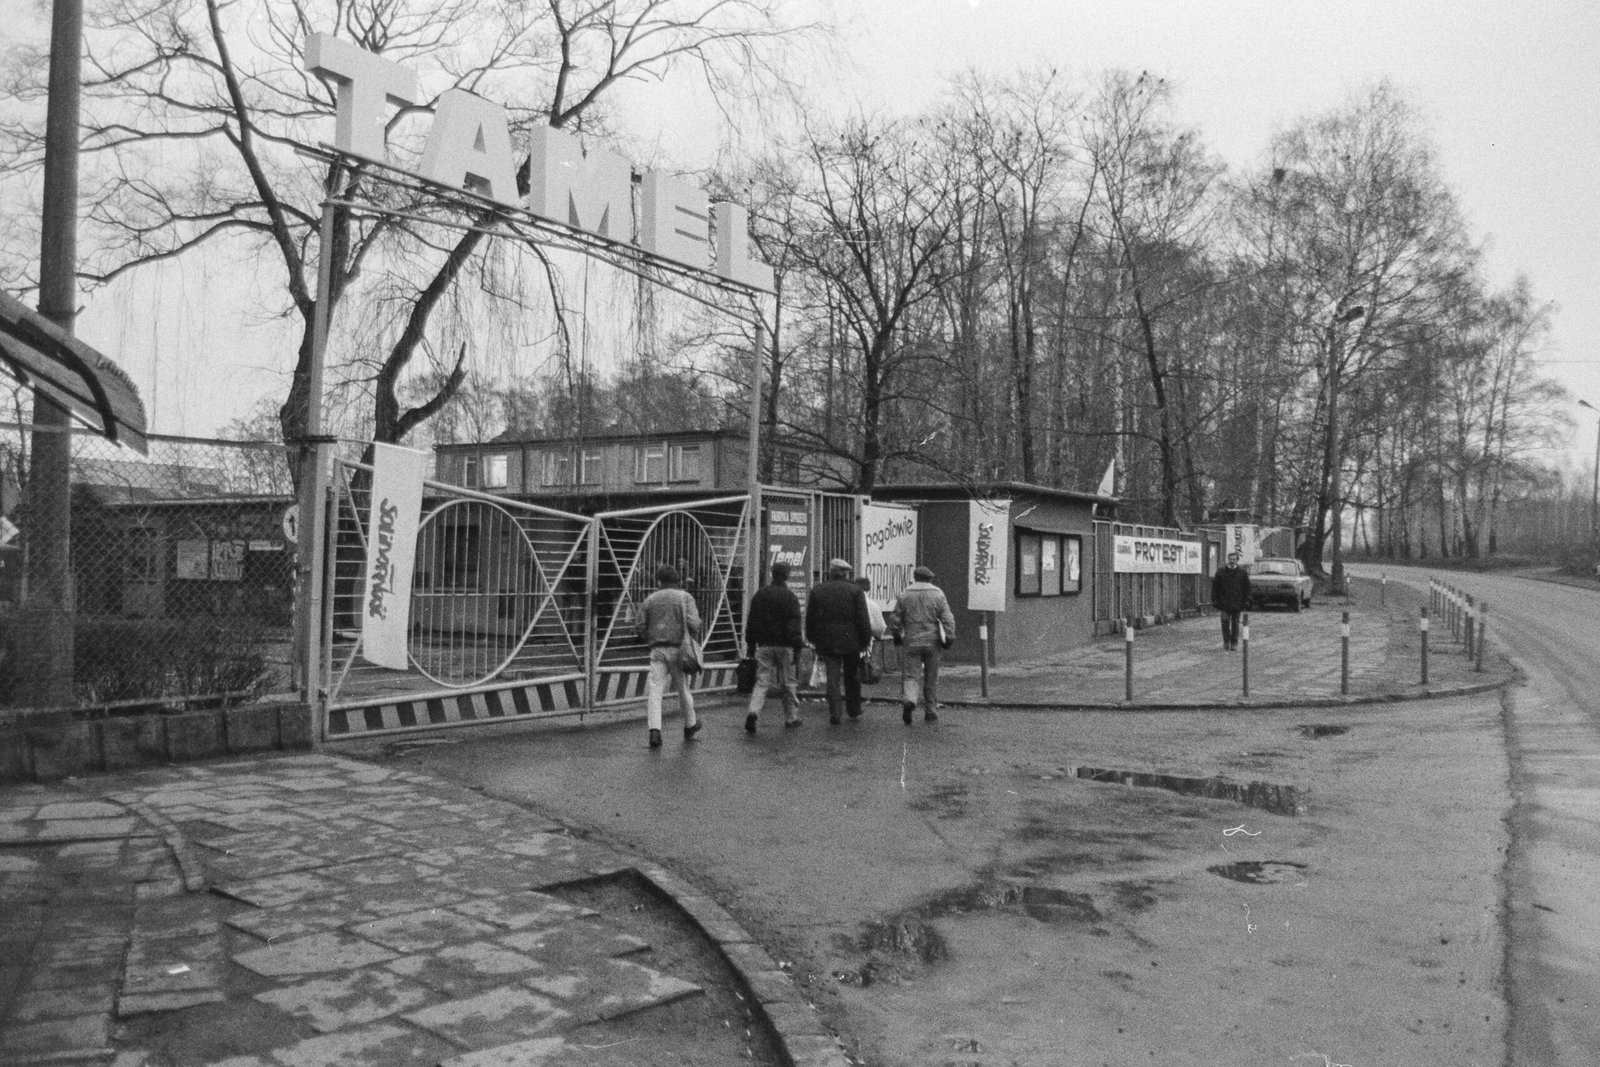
(1594, 493)
(1334, 459)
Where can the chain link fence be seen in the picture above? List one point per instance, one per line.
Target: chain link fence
(183, 572)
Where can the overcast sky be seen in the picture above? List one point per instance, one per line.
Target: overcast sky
(1506, 87)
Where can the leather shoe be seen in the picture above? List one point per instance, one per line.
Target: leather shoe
(749, 724)
(792, 723)
(833, 720)
(690, 731)
(930, 716)
(655, 738)
(906, 708)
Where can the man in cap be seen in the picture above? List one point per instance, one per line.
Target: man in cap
(926, 628)
(1230, 594)
(839, 627)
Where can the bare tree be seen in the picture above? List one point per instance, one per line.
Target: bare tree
(194, 112)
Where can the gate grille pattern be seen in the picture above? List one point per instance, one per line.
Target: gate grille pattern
(706, 543)
(498, 597)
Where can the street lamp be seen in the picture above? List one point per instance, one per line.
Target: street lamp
(1594, 493)
(1335, 459)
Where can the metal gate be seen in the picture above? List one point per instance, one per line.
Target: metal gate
(706, 543)
(500, 613)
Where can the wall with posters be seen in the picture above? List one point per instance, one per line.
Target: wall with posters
(1043, 574)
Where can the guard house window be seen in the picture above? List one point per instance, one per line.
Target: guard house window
(1049, 564)
(1028, 552)
(685, 466)
(555, 468)
(650, 463)
(591, 466)
(1071, 565)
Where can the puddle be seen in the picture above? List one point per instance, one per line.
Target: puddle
(1259, 872)
(1324, 731)
(1265, 796)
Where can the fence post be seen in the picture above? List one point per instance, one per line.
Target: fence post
(1383, 589)
(1423, 625)
(1244, 650)
(1127, 636)
(1344, 655)
(1470, 624)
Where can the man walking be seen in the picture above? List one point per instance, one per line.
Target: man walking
(1230, 594)
(925, 628)
(772, 634)
(839, 627)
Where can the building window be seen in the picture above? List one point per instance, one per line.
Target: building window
(555, 468)
(788, 472)
(459, 556)
(685, 463)
(591, 467)
(469, 471)
(494, 471)
(650, 463)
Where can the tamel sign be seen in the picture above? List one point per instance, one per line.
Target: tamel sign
(469, 147)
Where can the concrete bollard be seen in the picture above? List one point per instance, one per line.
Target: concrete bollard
(1483, 637)
(1127, 637)
(1344, 655)
(1244, 650)
(1423, 630)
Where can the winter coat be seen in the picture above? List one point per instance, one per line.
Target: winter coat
(918, 614)
(837, 619)
(774, 618)
(662, 617)
(1230, 589)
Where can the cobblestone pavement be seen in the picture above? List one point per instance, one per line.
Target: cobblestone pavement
(352, 914)
(356, 914)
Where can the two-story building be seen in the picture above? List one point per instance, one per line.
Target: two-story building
(609, 469)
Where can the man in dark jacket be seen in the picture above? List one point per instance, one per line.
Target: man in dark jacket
(772, 635)
(1230, 594)
(839, 627)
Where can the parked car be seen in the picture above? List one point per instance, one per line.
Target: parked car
(1279, 581)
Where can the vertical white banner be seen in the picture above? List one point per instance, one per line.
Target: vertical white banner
(396, 509)
(989, 558)
(1243, 540)
(888, 550)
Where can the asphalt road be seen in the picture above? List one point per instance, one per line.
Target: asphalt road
(1553, 744)
(960, 895)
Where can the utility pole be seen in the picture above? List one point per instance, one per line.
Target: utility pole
(46, 634)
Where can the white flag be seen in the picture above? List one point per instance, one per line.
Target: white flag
(1108, 484)
(391, 553)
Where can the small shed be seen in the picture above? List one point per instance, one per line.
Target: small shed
(1049, 541)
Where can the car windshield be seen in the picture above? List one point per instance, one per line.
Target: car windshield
(1273, 566)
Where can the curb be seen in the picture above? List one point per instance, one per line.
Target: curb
(800, 1033)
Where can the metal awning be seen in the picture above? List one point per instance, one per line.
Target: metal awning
(47, 359)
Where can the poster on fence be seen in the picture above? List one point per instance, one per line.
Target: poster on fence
(989, 541)
(392, 522)
(1154, 555)
(888, 550)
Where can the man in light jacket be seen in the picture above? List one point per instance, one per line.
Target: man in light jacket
(925, 628)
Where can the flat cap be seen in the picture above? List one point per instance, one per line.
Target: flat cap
(840, 565)
(923, 574)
